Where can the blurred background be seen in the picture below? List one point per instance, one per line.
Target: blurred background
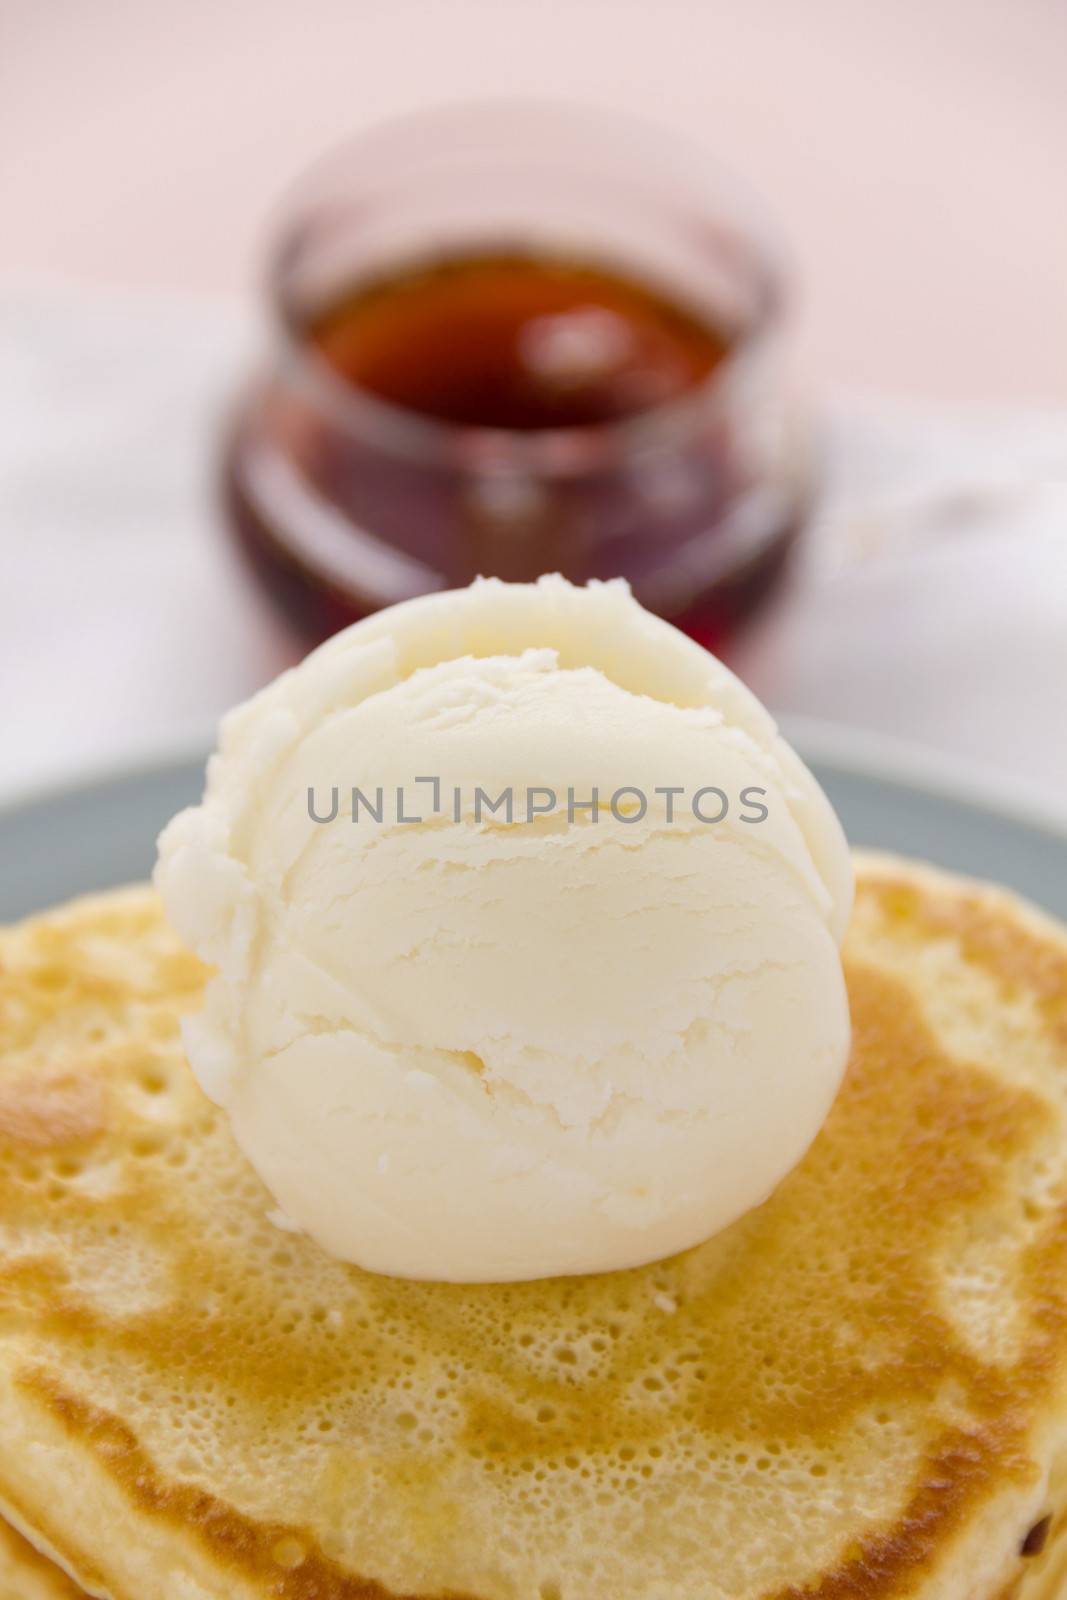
(913, 156)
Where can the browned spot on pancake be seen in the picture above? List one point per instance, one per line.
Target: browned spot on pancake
(262, 1549)
(44, 1111)
(954, 1479)
(1020, 958)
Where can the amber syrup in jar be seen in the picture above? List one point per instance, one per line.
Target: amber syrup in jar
(516, 342)
(513, 340)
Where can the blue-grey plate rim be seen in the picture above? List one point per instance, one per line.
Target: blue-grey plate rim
(65, 839)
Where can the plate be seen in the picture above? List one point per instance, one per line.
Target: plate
(102, 831)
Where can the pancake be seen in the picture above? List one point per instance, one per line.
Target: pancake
(859, 1391)
(26, 1575)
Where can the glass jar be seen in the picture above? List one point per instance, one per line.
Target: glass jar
(346, 502)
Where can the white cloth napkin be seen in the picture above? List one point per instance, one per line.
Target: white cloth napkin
(930, 601)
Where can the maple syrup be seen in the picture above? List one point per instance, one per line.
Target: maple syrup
(513, 341)
(491, 405)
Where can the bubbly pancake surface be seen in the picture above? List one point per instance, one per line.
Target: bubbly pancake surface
(858, 1390)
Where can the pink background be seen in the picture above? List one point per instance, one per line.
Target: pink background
(915, 150)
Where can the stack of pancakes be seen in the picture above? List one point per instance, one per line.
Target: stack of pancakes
(859, 1390)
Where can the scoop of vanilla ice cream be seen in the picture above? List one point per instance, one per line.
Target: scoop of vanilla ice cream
(467, 1048)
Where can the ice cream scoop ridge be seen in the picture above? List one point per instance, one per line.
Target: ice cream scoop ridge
(467, 1048)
